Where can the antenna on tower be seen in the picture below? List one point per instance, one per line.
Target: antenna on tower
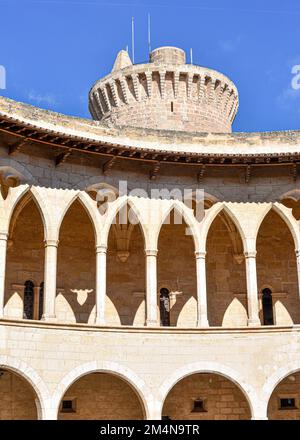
(191, 55)
(149, 33)
(132, 39)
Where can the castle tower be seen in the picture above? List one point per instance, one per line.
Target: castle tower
(165, 93)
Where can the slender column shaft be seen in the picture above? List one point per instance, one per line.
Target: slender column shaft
(252, 292)
(151, 288)
(3, 247)
(202, 320)
(100, 284)
(50, 279)
(298, 268)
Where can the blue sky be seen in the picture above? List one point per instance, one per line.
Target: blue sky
(53, 51)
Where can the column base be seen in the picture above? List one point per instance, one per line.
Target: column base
(100, 321)
(259, 418)
(203, 322)
(50, 318)
(254, 323)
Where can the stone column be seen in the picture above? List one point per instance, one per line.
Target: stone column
(100, 284)
(3, 247)
(202, 320)
(298, 268)
(151, 288)
(50, 279)
(252, 292)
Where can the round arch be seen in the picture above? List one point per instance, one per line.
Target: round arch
(277, 377)
(135, 382)
(215, 368)
(26, 372)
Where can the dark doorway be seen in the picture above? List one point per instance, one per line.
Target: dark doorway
(164, 307)
(267, 305)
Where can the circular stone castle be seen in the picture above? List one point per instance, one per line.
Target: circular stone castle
(149, 258)
(166, 94)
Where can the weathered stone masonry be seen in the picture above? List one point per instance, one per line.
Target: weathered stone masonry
(95, 345)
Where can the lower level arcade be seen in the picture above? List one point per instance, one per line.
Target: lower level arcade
(105, 396)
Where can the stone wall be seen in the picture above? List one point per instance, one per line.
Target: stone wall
(277, 270)
(25, 258)
(226, 279)
(222, 399)
(101, 396)
(177, 272)
(76, 264)
(288, 388)
(17, 399)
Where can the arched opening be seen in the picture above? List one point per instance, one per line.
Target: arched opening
(277, 272)
(25, 261)
(225, 274)
(164, 301)
(17, 397)
(101, 396)
(284, 403)
(206, 396)
(176, 272)
(267, 307)
(125, 299)
(76, 267)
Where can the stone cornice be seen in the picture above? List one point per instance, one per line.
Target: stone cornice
(27, 124)
(246, 331)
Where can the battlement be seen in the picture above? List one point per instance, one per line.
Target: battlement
(166, 94)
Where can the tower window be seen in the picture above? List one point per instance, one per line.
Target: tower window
(287, 403)
(164, 307)
(198, 406)
(68, 406)
(267, 305)
(172, 106)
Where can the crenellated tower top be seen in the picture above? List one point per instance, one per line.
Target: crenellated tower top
(165, 94)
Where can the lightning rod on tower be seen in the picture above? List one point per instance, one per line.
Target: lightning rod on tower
(132, 39)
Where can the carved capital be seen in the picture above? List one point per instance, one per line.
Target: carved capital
(101, 249)
(51, 243)
(151, 252)
(251, 254)
(200, 254)
(3, 236)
